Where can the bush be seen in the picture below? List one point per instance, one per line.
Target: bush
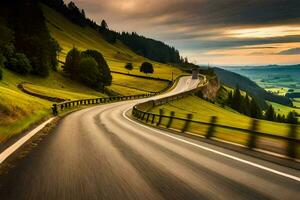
(89, 73)
(19, 64)
(129, 66)
(0, 74)
(147, 68)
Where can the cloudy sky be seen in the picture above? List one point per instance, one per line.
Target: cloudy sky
(219, 32)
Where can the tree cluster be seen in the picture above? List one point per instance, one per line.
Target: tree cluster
(88, 67)
(149, 48)
(244, 104)
(70, 11)
(248, 106)
(26, 44)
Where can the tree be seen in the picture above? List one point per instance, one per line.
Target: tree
(0, 74)
(55, 51)
(89, 73)
(246, 106)
(146, 67)
(237, 100)
(255, 111)
(7, 48)
(19, 63)
(72, 62)
(229, 98)
(292, 118)
(129, 66)
(104, 24)
(270, 114)
(103, 68)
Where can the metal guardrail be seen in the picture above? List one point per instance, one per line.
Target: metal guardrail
(141, 113)
(68, 104)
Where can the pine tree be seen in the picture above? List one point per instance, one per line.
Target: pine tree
(246, 105)
(270, 113)
(229, 98)
(237, 100)
(255, 111)
(291, 118)
(104, 24)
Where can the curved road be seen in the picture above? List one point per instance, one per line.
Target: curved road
(100, 153)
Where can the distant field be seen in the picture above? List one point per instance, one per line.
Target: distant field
(297, 102)
(284, 110)
(203, 111)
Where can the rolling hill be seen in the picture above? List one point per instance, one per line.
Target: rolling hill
(233, 79)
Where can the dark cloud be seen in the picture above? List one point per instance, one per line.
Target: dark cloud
(293, 51)
(223, 43)
(200, 25)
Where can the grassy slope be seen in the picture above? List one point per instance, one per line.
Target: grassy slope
(203, 111)
(18, 110)
(117, 55)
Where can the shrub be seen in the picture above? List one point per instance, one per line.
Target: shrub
(129, 66)
(147, 68)
(19, 64)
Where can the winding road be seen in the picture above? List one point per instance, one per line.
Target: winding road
(101, 153)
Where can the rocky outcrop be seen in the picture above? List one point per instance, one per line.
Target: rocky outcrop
(210, 90)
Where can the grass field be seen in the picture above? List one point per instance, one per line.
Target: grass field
(203, 111)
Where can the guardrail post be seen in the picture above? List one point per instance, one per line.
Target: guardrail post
(187, 123)
(148, 115)
(172, 114)
(211, 129)
(54, 109)
(253, 136)
(292, 146)
(161, 112)
(153, 118)
(143, 116)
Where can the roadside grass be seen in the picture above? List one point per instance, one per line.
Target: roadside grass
(203, 111)
(141, 84)
(18, 111)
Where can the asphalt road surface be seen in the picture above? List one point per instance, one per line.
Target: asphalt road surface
(100, 153)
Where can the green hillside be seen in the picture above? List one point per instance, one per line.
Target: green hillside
(117, 55)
